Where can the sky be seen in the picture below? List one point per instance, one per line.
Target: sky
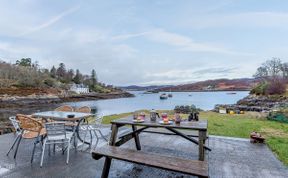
(146, 42)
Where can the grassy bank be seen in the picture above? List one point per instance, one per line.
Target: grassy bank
(240, 126)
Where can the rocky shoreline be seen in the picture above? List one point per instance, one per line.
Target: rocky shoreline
(257, 103)
(36, 100)
(11, 105)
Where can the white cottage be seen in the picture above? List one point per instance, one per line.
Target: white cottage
(79, 88)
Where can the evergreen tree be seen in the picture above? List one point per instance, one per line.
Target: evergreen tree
(61, 71)
(53, 72)
(78, 77)
(26, 62)
(69, 76)
(93, 78)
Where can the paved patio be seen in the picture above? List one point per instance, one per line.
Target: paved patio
(229, 158)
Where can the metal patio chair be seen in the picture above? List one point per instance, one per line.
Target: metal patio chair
(17, 129)
(57, 134)
(29, 129)
(92, 125)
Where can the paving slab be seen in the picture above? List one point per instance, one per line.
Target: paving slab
(230, 157)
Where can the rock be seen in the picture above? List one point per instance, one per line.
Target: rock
(256, 103)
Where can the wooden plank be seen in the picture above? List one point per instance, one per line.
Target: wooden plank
(193, 125)
(133, 132)
(202, 136)
(191, 167)
(136, 138)
(108, 160)
(166, 133)
(188, 138)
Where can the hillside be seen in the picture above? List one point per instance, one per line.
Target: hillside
(242, 84)
(143, 88)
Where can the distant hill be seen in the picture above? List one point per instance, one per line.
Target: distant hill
(144, 88)
(242, 84)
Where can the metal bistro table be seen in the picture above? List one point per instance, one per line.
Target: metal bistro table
(63, 116)
(200, 126)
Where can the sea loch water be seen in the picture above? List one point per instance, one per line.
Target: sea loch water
(203, 100)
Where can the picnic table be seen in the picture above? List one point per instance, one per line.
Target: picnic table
(63, 116)
(158, 161)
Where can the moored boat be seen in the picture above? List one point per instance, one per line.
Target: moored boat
(163, 96)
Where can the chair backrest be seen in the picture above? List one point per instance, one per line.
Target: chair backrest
(84, 109)
(15, 124)
(28, 123)
(64, 108)
(55, 130)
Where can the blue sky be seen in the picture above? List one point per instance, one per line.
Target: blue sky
(147, 42)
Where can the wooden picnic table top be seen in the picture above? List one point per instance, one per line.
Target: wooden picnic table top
(62, 115)
(193, 125)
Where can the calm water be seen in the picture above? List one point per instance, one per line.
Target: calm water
(203, 100)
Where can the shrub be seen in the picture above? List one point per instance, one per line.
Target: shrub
(276, 87)
(260, 89)
(186, 109)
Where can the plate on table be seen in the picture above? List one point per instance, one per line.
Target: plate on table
(138, 121)
(165, 123)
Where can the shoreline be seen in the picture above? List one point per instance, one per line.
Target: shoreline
(195, 90)
(36, 100)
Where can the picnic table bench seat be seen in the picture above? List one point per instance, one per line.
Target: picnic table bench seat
(191, 167)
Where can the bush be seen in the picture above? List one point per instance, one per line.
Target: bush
(276, 87)
(186, 109)
(260, 89)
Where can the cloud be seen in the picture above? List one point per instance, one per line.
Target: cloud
(128, 36)
(178, 76)
(51, 21)
(183, 43)
(254, 19)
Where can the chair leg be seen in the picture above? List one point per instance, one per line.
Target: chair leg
(15, 141)
(97, 139)
(42, 155)
(17, 147)
(102, 135)
(33, 152)
(83, 142)
(68, 151)
(54, 148)
(91, 138)
(63, 148)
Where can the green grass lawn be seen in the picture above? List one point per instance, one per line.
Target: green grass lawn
(242, 125)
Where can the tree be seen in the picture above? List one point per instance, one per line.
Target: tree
(274, 75)
(61, 71)
(69, 76)
(270, 69)
(93, 78)
(78, 77)
(53, 72)
(26, 62)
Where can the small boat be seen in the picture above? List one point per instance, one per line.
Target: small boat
(163, 96)
(231, 93)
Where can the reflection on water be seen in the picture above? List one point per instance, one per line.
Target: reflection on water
(203, 100)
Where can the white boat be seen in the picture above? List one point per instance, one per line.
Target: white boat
(163, 96)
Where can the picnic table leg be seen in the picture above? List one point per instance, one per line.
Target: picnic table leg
(112, 141)
(136, 137)
(202, 137)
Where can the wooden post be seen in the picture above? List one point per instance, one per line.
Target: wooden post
(202, 137)
(136, 137)
(107, 163)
